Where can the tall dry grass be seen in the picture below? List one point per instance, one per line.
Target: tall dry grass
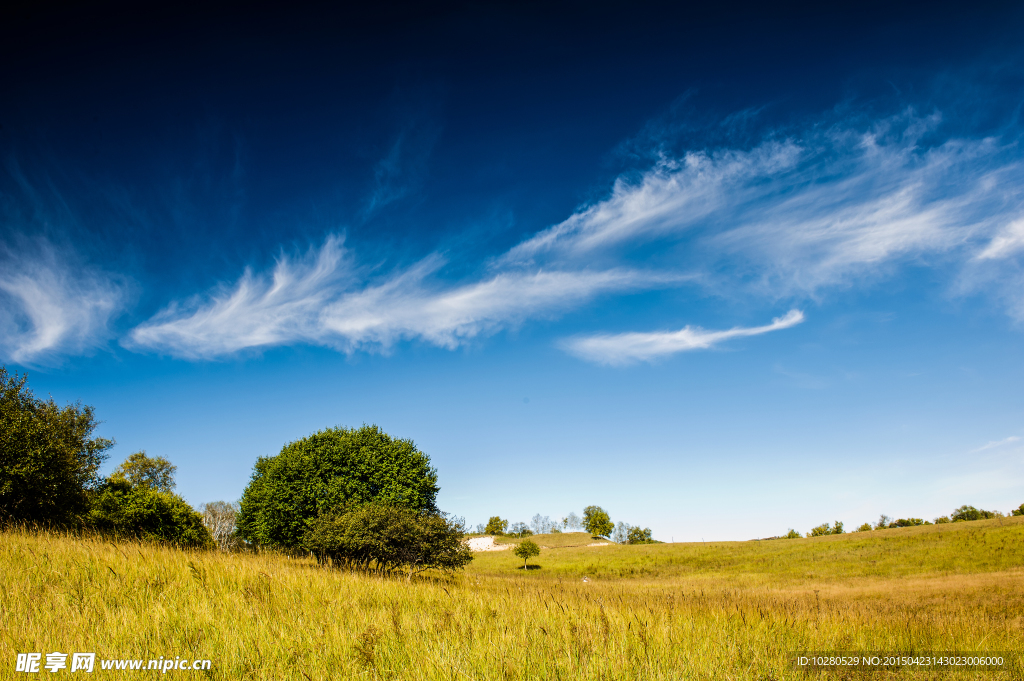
(733, 612)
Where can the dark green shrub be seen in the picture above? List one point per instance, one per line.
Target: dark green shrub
(792, 534)
(386, 538)
(1018, 511)
(144, 513)
(866, 527)
(907, 522)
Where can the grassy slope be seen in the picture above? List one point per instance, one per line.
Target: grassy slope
(957, 548)
(725, 611)
(557, 541)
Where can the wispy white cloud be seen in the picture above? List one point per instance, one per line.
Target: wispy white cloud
(786, 218)
(812, 209)
(53, 304)
(320, 299)
(997, 443)
(628, 348)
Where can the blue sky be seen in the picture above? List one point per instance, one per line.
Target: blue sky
(723, 272)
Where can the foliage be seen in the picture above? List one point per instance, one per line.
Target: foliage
(520, 530)
(883, 522)
(572, 522)
(866, 527)
(1018, 511)
(639, 536)
(966, 513)
(139, 470)
(597, 522)
(328, 470)
(526, 549)
(496, 526)
(384, 538)
(121, 510)
(48, 460)
(541, 524)
(942, 520)
(219, 518)
(792, 534)
(908, 522)
(824, 530)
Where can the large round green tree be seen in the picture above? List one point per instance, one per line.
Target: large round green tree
(327, 471)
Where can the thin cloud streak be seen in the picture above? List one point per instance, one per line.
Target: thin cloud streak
(51, 304)
(319, 300)
(998, 443)
(629, 348)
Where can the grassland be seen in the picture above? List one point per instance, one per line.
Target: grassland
(730, 610)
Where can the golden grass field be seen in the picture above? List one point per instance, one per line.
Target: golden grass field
(724, 610)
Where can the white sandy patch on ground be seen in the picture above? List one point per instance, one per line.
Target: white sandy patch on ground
(486, 544)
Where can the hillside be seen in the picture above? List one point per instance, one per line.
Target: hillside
(729, 610)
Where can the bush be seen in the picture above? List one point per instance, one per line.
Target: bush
(638, 536)
(124, 511)
(907, 522)
(942, 520)
(526, 549)
(968, 513)
(1018, 511)
(883, 522)
(597, 522)
(332, 469)
(866, 527)
(824, 530)
(386, 538)
(49, 463)
(792, 534)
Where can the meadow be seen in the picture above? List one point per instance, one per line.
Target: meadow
(720, 610)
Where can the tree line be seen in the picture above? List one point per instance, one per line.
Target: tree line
(595, 520)
(354, 498)
(962, 514)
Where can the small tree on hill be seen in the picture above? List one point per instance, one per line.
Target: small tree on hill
(792, 534)
(883, 522)
(526, 549)
(866, 527)
(496, 526)
(1018, 511)
(597, 522)
(520, 530)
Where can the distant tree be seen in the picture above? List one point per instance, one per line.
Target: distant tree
(639, 536)
(819, 531)
(541, 524)
(837, 528)
(496, 526)
(572, 522)
(907, 522)
(792, 534)
(970, 513)
(942, 520)
(332, 468)
(49, 461)
(219, 518)
(621, 532)
(526, 549)
(520, 530)
(883, 522)
(866, 527)
(1018, 511)
(597, 522)
(481, 528)
(140, 470)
